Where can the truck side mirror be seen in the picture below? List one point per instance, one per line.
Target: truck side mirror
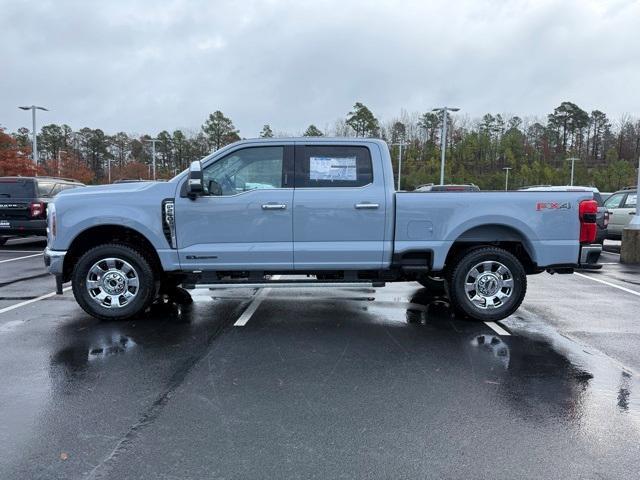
(195, 183)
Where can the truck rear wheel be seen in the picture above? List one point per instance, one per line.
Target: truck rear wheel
(487, 284)
(3, 240)
(113, 282)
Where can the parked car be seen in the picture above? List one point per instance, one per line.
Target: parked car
(447, 188)
(602, 217)
(23, 204)
(622, 206)
(325, 208)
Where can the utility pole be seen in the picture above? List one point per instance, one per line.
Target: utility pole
(34, 134)
(399, 145)
(573, 160)
(153, 142)
(443, 137)
(59, 160)
(506, 179)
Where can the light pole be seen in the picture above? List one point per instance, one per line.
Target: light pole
(399, 145)
(443, 138)
(506, 178)
(153, 142)
(34, 151)
(573, 160)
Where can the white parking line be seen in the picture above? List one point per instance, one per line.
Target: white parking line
(497, 328)
(628, 290)
(21, 258)
(20, 251)
(253, 306)
(28, 302)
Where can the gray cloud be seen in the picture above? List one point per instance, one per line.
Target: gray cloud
(147, 66)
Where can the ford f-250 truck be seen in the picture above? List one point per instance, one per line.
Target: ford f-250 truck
(312, 210)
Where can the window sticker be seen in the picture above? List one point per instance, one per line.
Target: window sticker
(333, 168)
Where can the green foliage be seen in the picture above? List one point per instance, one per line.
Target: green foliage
(266, 132)
(219, 130)
(312, 131)
(362, 121)
(477, 151)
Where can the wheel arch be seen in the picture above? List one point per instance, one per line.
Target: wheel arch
(103, 234)
(495, 234)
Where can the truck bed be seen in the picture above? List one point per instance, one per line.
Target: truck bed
(546, 223)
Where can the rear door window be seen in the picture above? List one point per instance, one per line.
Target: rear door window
(16, 188)
(45, 189)
(614, 200)
(631, 201)
(332, 166)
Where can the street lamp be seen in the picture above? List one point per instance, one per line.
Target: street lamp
(153, 142)
(573, 160)
(399, 145)
(34, 151)
(506, 179)
(443, 138)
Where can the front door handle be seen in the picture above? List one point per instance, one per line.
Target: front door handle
(274, 206)
(366, 205)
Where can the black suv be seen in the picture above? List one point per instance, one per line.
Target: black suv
(23, 204)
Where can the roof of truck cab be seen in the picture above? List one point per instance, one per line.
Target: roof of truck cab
(310, 140)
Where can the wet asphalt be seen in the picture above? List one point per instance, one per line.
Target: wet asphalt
(339, 383)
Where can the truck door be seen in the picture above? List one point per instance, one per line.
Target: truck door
(339, 208)
(244, 220)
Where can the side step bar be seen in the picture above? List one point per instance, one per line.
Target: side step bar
(284, 284)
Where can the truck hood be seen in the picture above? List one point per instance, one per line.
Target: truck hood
(124, 189)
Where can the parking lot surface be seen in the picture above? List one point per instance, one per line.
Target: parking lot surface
(321, 383)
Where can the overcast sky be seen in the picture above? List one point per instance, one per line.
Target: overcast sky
(149, 65)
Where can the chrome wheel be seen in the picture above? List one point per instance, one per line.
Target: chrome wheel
(489, 285)
(112, 283)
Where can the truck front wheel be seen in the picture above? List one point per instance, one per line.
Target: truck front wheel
(487, 284)
(113, 282)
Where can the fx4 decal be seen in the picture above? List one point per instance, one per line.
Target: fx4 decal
(552, 205)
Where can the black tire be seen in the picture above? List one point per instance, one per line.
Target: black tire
(3, 240)
(508, 296)
(435, 285)
(144, 293)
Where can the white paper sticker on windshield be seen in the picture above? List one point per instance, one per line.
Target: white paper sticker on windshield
(333, 168)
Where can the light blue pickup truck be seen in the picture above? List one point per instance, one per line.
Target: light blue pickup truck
(321, 211)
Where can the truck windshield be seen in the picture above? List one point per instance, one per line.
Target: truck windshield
(16, 188)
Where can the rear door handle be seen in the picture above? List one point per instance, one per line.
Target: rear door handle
(366, 205)
(632, 213)
(274, 206)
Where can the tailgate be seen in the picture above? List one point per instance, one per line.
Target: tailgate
(15, 196)
(17, 209)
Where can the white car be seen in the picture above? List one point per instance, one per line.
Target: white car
(622, 207)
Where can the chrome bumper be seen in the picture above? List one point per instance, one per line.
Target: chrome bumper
(54, 261)
(589, 254)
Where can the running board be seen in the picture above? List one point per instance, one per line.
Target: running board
(284, 284)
